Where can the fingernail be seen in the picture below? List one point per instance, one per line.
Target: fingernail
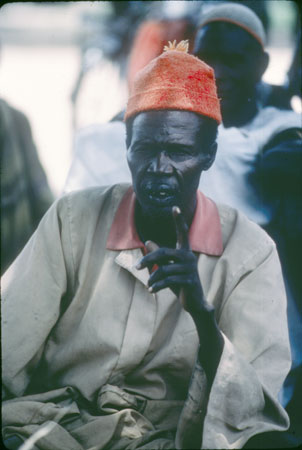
(150, 289)
(138, 266)
(177, 210)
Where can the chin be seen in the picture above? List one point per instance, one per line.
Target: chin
(157, 212)
(227, 105)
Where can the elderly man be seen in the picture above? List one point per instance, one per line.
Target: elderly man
(147, 316)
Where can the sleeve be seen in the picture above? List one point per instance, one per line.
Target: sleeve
(39, 190)
(280, 167)
(280, 173)
(32, 289)
(243, 400)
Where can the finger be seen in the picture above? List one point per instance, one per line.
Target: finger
(173, 282)
(181, 228)
(151, 246)
(161, 256)
(170, 270)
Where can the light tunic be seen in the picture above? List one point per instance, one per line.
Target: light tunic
(98, 157)
(121, 357)
(231, 179)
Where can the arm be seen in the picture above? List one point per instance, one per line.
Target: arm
(178, 270)
(280, 166)
(183, 278)
(242, 400)
(32, 290)
(280, 178)
(256, 359)
(41, 196)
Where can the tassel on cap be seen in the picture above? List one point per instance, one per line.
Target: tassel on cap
(182, 46)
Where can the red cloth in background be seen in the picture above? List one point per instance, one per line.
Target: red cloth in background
(150, 40)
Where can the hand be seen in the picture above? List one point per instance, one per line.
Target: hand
(177, 268)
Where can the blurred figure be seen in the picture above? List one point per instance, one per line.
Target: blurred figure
(231, 39)
(25, 194)
(106, 45)
(258, 6)
(281, 96)
(259, 160)
(295, 71)
(270, 94)
(151, 38)
(99, 157)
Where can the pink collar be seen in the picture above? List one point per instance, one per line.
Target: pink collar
(204, 234)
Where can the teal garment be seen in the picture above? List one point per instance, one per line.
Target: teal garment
(25, 194)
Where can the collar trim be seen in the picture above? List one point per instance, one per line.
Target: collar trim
(204, 235)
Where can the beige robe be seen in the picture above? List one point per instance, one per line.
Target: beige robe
(123, 359)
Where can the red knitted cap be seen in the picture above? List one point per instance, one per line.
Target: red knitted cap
(175, 80)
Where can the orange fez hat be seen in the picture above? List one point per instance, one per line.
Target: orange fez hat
(175, 80)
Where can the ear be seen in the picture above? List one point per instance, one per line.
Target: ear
(210, 157)
(264, 60)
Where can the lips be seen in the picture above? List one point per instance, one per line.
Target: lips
(160, 194)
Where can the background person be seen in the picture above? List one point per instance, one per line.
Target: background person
(259, 163)
(25, 194)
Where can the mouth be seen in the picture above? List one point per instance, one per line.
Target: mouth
(161, 194)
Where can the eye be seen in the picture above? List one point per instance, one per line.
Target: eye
(141, 149)
(180, 151)
(138, 150)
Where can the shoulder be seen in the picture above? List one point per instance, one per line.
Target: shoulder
(287, 139)
(270, 122)
(87, 205)
(102, 135)
(244, 241)
(282, 119)
(83, 220)
(12, 116)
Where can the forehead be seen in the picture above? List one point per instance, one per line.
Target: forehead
(166, 126)
(223, 37)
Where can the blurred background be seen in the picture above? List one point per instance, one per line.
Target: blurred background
(64, 64)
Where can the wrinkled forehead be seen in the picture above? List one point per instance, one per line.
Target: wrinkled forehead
(171, 125)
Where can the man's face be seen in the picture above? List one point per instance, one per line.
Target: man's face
(166, 159)
(236, 59)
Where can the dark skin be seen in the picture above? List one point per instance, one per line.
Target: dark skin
(166, 158)
(239, 62)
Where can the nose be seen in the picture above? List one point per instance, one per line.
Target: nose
(161, 164)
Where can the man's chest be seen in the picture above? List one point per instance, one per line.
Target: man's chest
(117, 331)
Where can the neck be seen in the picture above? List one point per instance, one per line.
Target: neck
(242, 115)
(160, 229)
